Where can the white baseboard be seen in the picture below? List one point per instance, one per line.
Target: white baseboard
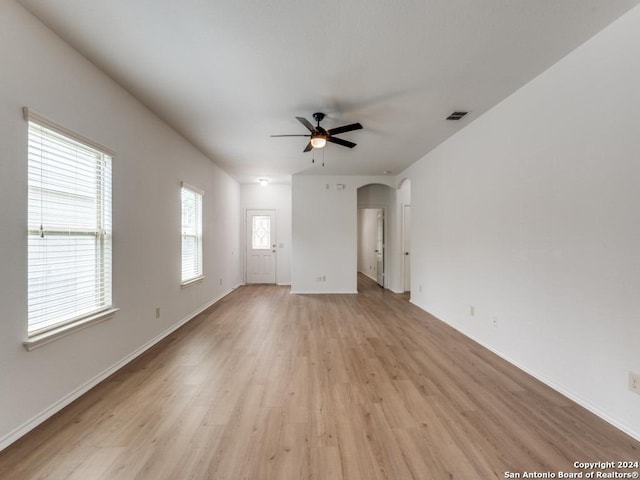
(570, 395)
(26, 427)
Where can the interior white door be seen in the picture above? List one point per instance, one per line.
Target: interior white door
(261, 246)
(380, 248)
(406, 247)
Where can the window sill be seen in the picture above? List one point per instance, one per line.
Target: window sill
(40, 339)
(188, 283)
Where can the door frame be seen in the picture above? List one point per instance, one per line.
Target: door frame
(246, 243)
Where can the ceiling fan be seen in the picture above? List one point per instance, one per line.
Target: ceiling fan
(320, 136)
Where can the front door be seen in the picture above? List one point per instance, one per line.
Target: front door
(261, 246)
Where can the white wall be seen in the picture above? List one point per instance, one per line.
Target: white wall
(41, 72)
(530, 214)
(271, 197)
(325, 232)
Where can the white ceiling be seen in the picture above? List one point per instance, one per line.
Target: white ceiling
(227, 74)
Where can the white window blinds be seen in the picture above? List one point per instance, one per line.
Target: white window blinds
(69, 222)
(191, 233)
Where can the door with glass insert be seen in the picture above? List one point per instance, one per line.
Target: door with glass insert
(261, 246)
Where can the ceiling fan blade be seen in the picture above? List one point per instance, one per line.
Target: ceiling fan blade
(339, 141)
(307, 124)
(290, 135)
(344, 128)
(308, 147)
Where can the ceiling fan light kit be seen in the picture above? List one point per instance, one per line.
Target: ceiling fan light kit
(318, 136)
(318, 141)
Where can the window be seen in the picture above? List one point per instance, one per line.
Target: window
(191, 234)
(261, 232)
(69, 228)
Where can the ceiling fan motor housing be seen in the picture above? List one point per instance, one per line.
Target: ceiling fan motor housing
(318, 117)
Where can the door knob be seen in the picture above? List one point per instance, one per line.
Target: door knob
(406, 253)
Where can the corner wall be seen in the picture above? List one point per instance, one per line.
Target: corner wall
(530, 215)
(43, 73)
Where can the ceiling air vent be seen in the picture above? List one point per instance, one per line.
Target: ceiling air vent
(456, 115)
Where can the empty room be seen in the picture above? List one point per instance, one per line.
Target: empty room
(356, 240)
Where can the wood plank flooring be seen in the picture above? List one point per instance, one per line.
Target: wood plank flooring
(269, 385)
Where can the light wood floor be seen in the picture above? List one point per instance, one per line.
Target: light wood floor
(269, 385)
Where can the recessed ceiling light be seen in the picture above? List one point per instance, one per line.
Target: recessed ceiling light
(264, 182)
(456, 115)
(387, 172)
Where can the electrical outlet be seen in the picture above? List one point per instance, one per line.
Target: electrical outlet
(420, 288)
(220, 281)
(634, 382)
(472, 310)
(157, 312)
(495, 322)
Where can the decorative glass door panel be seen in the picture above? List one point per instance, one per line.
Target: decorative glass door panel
(261, 232)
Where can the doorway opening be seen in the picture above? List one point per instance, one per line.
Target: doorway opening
(371, 243)
(375, 201)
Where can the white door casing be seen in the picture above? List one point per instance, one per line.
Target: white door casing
(406, 247)
(261, 244)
